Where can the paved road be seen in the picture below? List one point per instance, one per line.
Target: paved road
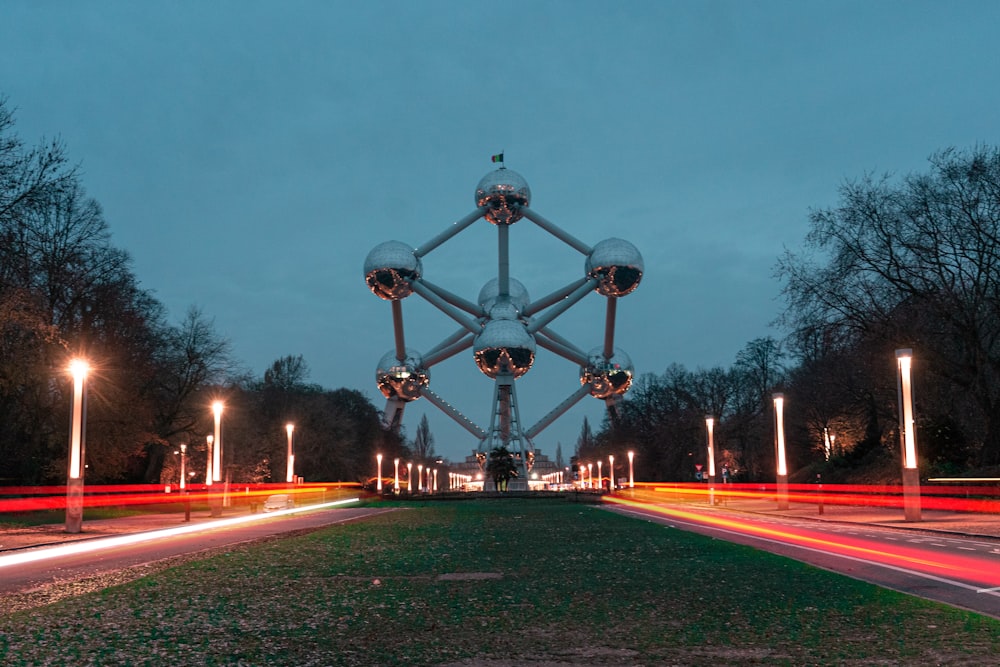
(124, 544)
(948, 566)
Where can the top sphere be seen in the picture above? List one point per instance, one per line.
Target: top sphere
(618, 266)
(503, 192)
(389, 268)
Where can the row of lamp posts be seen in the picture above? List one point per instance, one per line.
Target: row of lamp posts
(908, 445)
(432, 475)
(79, 369)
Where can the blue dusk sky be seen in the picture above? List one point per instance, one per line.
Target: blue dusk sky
(250, 154)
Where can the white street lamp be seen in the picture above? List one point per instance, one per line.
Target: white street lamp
(600, 475)
(184, 448)
(409, 477)
(590, 475)
(217, 501)
(217, 407)
(290, 459)
(395, 484)
(710, 425)
(420, 477)
(378, 485)
(779, 437)
(631, 477)
(911, 474)
(611, 472)
(78, 368)
(209, 441)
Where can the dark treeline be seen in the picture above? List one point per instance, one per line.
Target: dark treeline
(900, 262)
(66, 291)
(911, 262)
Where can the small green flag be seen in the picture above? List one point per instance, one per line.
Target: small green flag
(497, 158)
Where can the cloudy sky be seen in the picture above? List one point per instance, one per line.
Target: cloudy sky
(250, 154)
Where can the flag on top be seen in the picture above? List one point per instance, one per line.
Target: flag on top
(497, 158)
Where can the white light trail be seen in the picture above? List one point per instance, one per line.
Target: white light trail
(84, 546)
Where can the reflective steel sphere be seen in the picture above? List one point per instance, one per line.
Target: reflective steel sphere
(607, 377)
(503, 192)
(488, 295)
(389, 268)
(617, 264)
(402, 379)
(504, 345)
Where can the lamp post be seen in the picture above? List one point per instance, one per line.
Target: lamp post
(78, 368)
(631, 477)
(395, 483)
(290, 466)
(217, 452)
(435, 480)
(216, 501)
(187, 502)
(590, 475)
(600, 475)
(911, 474)
(611, 472)
(378, 485)
(779, 437)
(183, 483)
(710, 426)
(420, 477)
(209, 442)
(409, 477)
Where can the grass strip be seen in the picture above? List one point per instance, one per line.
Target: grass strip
(497, 582)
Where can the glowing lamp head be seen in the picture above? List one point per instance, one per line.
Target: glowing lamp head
(79, 368)
(503, 192)
(289, 428)
(217, 408)
(389, 269)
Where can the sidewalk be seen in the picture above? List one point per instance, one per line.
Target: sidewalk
(960, 523)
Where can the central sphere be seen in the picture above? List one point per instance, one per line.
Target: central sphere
(504, 345)
(503, 192)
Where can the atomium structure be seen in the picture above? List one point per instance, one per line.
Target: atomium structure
(503, 326)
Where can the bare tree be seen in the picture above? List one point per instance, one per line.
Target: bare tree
(914, 263)
(423, 441)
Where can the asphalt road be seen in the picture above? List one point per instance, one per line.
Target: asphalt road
(28, 569)
(963, 571)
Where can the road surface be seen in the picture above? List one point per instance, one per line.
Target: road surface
(963, 571)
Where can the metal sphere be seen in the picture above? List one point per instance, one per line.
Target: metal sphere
(617, 264)
(389, 268)
(607, 377)
(402, 379)
(491, 290)
(504, 345)
(503, 192)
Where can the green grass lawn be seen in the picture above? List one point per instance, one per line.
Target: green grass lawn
(496, 582)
